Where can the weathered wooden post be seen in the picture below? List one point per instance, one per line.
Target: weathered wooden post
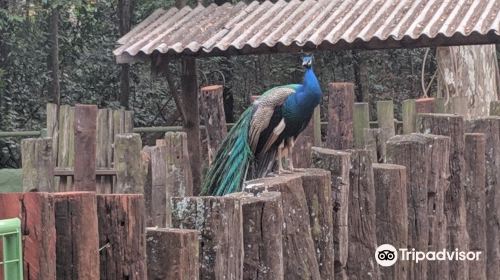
(437, 185)
(301, 155)
(361, 222)
(160, 208)
(146, 155)
(36, 210)
(104, 148)
(409, 116)
(212, 107)
(385, 117)
(66, 149)
(85, 148)
(475, 181)
(77, 238)
(172, 254)
(491, 128)
(412, 151)
(299, 254)
(121, 236)
(338, 163)
(38, 164)
(455, 210)
(375, 141)
(262, 235)
(219, 221)
(318, 191)
(495, 108)
(424, 105)
(128, 164)
(392, 217)
(340, 116)
(361, 120)
(53, 127)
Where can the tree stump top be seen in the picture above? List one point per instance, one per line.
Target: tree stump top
(329, 151)
(211, 88)
(388, 166)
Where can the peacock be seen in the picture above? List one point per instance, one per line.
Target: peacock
(264, 134)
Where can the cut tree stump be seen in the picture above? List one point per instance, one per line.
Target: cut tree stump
(121, 236)
(475, 180)
(361, 221)
(412, 151)
(299, 255)
(455, 210)
(338, 163)
(491, 128)
(130, 175)
(172, 254)
(85, 148)
(219, 221)
(392, 218)
(340, 116)
(36, 211)
(262, 235)
(77, 237)
(38, 164)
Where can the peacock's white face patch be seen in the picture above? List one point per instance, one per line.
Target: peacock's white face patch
(307, 61)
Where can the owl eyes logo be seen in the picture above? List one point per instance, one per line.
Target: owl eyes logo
(386, 255)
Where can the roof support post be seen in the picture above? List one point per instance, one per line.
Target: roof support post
(189, 86)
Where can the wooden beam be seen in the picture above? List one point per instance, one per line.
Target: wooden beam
(85, 148)
(128, 164)
(340, 116)
(38, 164)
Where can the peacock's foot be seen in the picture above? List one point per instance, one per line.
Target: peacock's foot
(298, 169)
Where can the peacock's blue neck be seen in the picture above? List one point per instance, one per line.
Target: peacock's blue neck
(305, 99)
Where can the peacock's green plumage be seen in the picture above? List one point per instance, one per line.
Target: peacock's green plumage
(250, 147)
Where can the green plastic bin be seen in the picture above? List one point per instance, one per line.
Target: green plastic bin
(12, 259)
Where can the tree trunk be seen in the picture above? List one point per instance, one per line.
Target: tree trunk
(53, 63)
(125, 8)
(467, 79)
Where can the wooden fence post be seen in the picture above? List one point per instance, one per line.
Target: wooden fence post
(160, 207)
(424, 105)
(392, 218)
(38, 164)
(412, 151)
(66, 148)
(437, 185)
(77, 239)
(338, 163)
(340, 116)
(301, 155)
(53, 127)
(455, 210)
(375, 141)
(299, 256)
(172, 253)
(361, 222)
(316, 119)
(491, 128)
(212, 107)
(385, 117)
(121, 236)
(409, 116)
(179, 177)
(361, 120)
(262, 235)
(104, 148)
(475, 181)
(318, 191)
(219, 221)
(85, 148)
(36, 211)
(128, 164)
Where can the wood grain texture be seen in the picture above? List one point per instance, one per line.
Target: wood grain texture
(128, 164)
(85, 148)
(38, 164)
(361, 120)
(66, 148)
(212, 107)
(340, 116)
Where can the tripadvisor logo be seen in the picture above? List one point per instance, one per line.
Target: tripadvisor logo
(387, 255)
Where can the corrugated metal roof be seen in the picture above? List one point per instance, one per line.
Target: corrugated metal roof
(313, 24)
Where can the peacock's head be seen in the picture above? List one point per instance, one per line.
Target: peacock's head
(307, 61)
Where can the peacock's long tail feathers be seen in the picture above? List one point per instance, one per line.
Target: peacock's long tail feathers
(228, 171)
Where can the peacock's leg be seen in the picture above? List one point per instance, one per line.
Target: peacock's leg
(280, 162)
(291, 144)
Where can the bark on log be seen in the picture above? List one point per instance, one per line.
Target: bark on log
(262, 235)
(212, 107)
(392, 218)
(491, 128)
(77, 237)
(437, 185)
(36, 211)
(298, 246)
(412, 151)
(475, 181)
(121, 236)
(38, 164)
(361, 221)
(340, 116)
(455, 210)
(130, 175)
(361, 120)
(338, 163)
(85, 148)
(172, 254)
(219, 221)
